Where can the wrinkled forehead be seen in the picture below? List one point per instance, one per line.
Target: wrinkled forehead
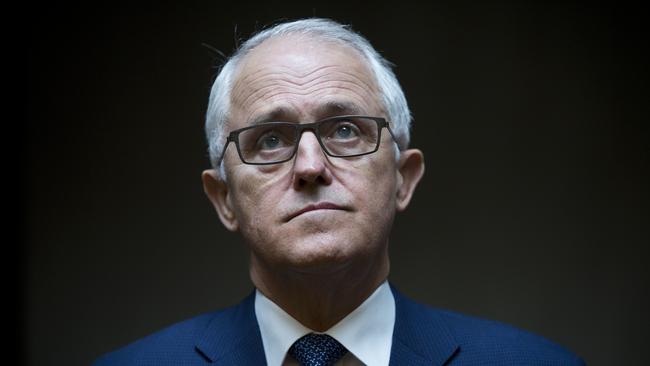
(292, 70)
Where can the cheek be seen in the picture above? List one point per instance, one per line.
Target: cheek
(373, 186)
(382, 196)
(254, 198)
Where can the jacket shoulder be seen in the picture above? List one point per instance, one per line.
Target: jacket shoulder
(173, 345)
(503, 344)
(484, 342)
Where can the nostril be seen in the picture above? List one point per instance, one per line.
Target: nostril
(305, 180)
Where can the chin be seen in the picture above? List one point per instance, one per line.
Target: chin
(320, 255)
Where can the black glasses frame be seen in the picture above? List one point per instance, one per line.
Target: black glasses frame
(233, 136)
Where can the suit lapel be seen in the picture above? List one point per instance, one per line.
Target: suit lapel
(421, 336)
(233, 337)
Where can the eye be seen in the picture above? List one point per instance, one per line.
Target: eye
(345, 130)
(269, 141)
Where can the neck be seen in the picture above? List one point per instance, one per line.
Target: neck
(320, 300)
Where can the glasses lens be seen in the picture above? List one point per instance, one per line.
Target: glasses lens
(267, 143)
(349, 136)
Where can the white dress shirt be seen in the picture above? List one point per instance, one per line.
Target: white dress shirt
(367, 332)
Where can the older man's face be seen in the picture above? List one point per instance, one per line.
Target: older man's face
(315, 212)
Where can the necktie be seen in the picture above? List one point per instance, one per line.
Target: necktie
(317, 350)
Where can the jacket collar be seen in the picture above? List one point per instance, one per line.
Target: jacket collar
(233, 337)
(420, 336)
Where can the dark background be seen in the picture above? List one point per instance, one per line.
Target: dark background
(533, 210)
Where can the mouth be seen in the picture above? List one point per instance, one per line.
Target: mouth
(315, 207)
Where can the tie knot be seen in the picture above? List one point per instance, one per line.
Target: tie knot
(317, 350)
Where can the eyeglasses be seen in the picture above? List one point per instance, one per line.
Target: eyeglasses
(277, 142)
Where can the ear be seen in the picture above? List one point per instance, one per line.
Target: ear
(217, 191)
(410, 170)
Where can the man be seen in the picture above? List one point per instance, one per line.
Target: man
(308, 132)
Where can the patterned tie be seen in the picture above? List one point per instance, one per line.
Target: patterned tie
(317, 350)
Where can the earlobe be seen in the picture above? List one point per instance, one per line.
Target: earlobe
(217, 191)
(410, 171)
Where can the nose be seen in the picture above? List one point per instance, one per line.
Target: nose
(310, 166)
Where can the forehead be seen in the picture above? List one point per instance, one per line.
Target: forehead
(299, 77)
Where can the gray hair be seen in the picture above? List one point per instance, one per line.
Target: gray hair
(393, 99)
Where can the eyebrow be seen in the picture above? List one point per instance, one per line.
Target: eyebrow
(274, 115)
(334, 107)
(328, 109)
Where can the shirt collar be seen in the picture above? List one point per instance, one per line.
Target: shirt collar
(367, 332)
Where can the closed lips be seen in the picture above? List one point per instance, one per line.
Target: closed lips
(314, 207)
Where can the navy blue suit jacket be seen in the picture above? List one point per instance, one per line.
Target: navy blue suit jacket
(422, 336)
